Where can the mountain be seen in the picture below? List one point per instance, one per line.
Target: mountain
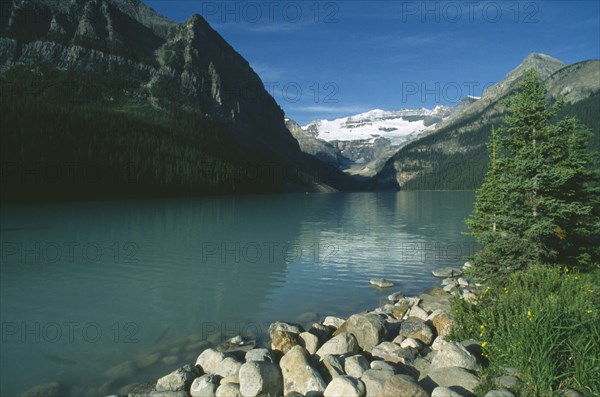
(361, 144)
(123, 87)
(454, 155)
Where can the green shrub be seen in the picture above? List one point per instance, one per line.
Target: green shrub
(545, 321)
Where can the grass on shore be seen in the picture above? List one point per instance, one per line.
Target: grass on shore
(545, 322)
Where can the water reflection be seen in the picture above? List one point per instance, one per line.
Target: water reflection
(143, 284)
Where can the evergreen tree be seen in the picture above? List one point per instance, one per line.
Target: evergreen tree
(537, 203)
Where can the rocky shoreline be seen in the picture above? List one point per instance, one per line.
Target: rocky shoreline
(398, 349)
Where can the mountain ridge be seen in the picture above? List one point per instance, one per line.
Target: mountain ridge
(454, 154)
(121, 56)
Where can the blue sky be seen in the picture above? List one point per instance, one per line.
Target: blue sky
(327, 59)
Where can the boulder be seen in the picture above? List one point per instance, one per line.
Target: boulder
(321, 331)
(432, 303)
(229, 390)
(310, 342)
(287, 327)
(332, 321)
(446, 272)
(455, 378)
(355, 365)
(499, 393)
(381, 283)
(260, 354)
(396, 296)
(507, 382)
(283, 341)
(180, 379)
(438, 343)
(298, 374)
(418, 312)
(463, 282)
(374, 380)
(209, 360)
(403, 386)
(444, 392)
(417, 329)
(454, 355)
(204, 386)
(384, 366)
(443, 323)
(155, 393)
(341, 344)
(400, 310)
(260, 378)
(410, 343)
(229, 366)
(392, 352)
(330, 367)
(341, 329)
(230, 379)
(368, 329)
(345, 386)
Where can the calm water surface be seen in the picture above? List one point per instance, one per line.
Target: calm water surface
(86, 287)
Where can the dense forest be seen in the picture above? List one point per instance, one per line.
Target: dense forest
(465, 169)
(74, 138)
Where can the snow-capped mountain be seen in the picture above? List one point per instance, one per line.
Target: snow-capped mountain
(362, 143)
(397, 125)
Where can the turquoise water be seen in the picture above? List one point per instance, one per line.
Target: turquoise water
(87, 286)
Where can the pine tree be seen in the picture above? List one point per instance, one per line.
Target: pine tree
(536, 204)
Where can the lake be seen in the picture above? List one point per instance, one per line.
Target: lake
(143, 285)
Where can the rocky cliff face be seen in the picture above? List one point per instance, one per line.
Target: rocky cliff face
(186, 65)
(120, 55)
(309, 144)
(453, 155)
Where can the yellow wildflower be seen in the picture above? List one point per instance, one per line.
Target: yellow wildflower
(483, 344)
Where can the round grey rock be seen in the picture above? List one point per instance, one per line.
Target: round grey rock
(374, 380)
(368, 329)
(260, 378)
(229, 390)
(260, 354)
(403, 386)
(180, 379)
(344, 343)
(454, 355)
(204, 386)
(444, 392)
(298, 373)
(209, 360)
(356, 365)
(499, 393)
(346, 386)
